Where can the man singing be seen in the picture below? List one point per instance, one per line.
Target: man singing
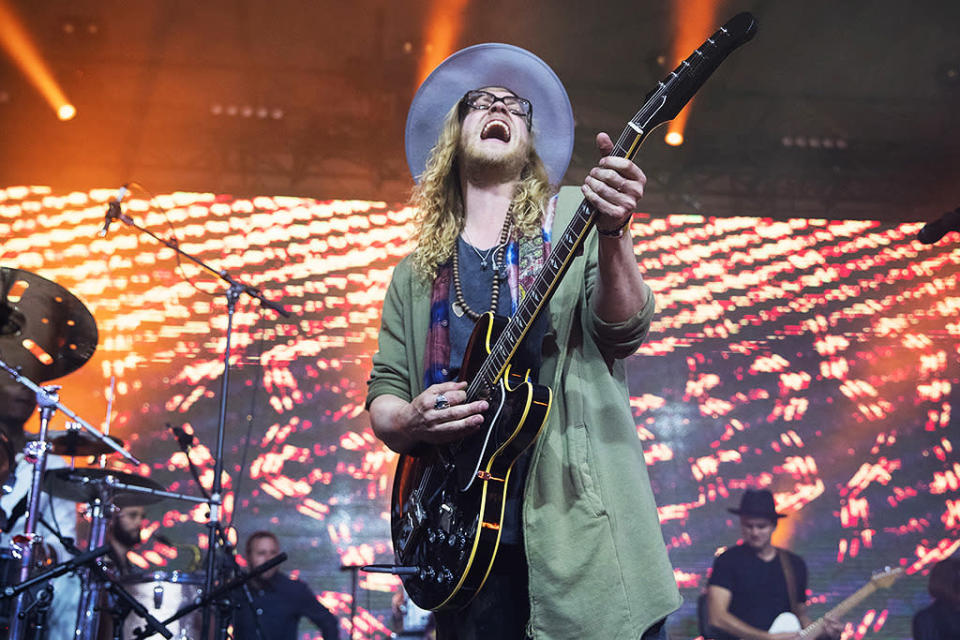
(580, 554)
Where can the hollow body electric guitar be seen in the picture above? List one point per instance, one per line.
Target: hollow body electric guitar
(448, 501)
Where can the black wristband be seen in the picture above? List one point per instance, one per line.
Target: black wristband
(618, 232)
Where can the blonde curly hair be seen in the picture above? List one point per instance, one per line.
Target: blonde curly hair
(439, 202)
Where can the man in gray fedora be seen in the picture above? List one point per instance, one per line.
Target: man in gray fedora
(489, 136)
(754, 582)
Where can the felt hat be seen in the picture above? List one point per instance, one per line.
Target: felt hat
(493, 64)
(757, 503)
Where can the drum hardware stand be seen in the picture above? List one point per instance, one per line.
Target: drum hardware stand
(88, 622)
(36, 612)
(233, 292)
(91, 559)
(36, 453)
(48, 401)
(216, 594)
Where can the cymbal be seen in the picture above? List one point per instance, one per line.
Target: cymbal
(44, 329)
(73, 442)
(83, 485)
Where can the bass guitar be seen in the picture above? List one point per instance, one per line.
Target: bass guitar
(448, 501)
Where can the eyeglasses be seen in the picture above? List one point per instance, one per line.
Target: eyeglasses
(482, 100)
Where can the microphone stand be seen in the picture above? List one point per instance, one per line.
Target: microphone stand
(227, 587)
(184, 442)
(353, 569)
(233, 292)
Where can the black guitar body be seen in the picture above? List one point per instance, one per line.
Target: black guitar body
(448, 502)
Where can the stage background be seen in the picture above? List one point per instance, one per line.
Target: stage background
(816, 358)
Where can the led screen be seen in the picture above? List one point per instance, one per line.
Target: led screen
(816, 358)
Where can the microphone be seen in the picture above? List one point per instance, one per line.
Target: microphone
(113, 210)
(184, 439)
(933, 231)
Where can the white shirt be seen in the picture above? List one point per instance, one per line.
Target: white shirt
(62, 616)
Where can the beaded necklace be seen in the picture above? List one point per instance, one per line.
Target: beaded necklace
(497, 260)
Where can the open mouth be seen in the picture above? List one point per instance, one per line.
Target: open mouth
(496, 129)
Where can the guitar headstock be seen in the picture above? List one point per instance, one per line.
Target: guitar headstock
(884, 578)
(673, 92)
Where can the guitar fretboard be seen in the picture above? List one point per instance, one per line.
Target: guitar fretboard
(660, 105)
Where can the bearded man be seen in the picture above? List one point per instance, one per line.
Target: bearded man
(580, 553)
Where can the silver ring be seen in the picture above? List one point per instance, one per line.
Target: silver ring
(441, 402)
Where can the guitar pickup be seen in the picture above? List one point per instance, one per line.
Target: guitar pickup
(485, 475)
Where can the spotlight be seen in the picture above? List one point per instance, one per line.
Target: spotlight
(949, 74)
(674, 138)
(66, 112)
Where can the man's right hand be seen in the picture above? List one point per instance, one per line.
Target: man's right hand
(433, 424)
(403, 425)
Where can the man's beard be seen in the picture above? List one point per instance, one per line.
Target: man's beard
(126, 538)
(480, 162)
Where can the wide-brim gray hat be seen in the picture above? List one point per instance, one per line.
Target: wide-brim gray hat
(493, 64)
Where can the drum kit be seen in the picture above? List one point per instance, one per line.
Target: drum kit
(47, 333)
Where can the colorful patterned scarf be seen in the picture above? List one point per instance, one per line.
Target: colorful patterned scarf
(524, 257)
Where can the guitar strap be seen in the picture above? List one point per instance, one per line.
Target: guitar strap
(788, 576)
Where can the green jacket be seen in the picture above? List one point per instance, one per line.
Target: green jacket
(598, 567)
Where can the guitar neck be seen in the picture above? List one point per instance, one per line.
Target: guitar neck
(816, 628)
(563, 251)
(660, 105)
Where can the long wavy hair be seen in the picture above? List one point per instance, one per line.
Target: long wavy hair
(439, 202)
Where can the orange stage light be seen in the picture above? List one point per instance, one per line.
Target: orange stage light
(66, 112)
(692, 23)
(443, 28)
(16, 42)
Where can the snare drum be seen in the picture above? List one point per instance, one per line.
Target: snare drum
(163, 593)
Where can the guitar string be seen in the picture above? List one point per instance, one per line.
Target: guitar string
(691, 69)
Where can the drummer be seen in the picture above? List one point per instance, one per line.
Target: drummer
(17, 403)
(123, 534)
